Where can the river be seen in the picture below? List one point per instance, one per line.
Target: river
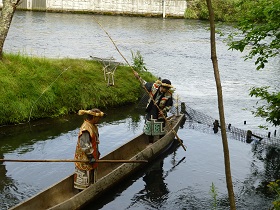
(176, 49)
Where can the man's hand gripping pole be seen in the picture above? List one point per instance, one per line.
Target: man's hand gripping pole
(161, 112)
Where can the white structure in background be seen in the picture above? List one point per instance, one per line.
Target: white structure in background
(165, 8)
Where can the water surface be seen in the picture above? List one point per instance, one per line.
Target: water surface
(176, 49)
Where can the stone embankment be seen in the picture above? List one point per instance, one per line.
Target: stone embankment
(160, 8)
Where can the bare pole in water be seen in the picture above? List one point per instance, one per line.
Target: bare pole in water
(163, 8)
(170, 127)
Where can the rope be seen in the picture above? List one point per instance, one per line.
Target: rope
(45, 91)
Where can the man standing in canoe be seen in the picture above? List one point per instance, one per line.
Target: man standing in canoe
(162, 96)
(87, 149)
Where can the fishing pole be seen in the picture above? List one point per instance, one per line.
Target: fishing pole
(45, 91)
(161, 112)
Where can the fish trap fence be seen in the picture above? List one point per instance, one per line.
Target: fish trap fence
(207, 124)
(200, 121)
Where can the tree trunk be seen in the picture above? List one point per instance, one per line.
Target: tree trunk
(221, 107)
(8, 10)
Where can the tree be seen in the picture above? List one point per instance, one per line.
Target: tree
(8, 10)
(270, 110)
(259, 27)
(221, 106)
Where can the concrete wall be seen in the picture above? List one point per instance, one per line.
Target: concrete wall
(174, 8)
(137, 7)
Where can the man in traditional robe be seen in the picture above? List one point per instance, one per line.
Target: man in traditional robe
(87, 150)
(160, 92)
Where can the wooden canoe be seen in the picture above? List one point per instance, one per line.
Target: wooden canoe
(63, 195)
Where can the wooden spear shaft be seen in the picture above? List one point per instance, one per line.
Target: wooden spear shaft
(83, 161)
(174, 132)
(168, 123)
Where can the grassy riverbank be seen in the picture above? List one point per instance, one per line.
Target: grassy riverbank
(33, 88)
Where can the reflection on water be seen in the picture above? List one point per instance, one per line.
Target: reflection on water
(54, 139)
(5, 183)
(171, 48)
(270, 157)
(152, 194)
(155, 187)
(181, 180)
(176, 180)
(155, 192)
(264, 168)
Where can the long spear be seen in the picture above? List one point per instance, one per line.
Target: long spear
(69, 160)
(173, 131)
(169, 125)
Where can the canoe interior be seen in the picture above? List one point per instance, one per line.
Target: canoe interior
(124, 152)
(64, 190)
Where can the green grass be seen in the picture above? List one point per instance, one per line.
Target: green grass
(33, 88)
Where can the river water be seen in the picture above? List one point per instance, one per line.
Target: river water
(176, 49)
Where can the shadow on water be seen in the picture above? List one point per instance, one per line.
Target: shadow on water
(19, 140)
(5, 182)
(270, 157)
(34, 34)
(265, 168)
(155, 190)
(22, 135)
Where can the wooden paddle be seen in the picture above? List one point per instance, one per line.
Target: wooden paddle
(83, 161)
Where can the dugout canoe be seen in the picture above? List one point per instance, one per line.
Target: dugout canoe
(63, 195)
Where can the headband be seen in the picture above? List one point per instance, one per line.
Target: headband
(166, 85)
(96, 114)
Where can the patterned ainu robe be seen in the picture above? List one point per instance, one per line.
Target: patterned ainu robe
(155, 122)
(87, 144)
